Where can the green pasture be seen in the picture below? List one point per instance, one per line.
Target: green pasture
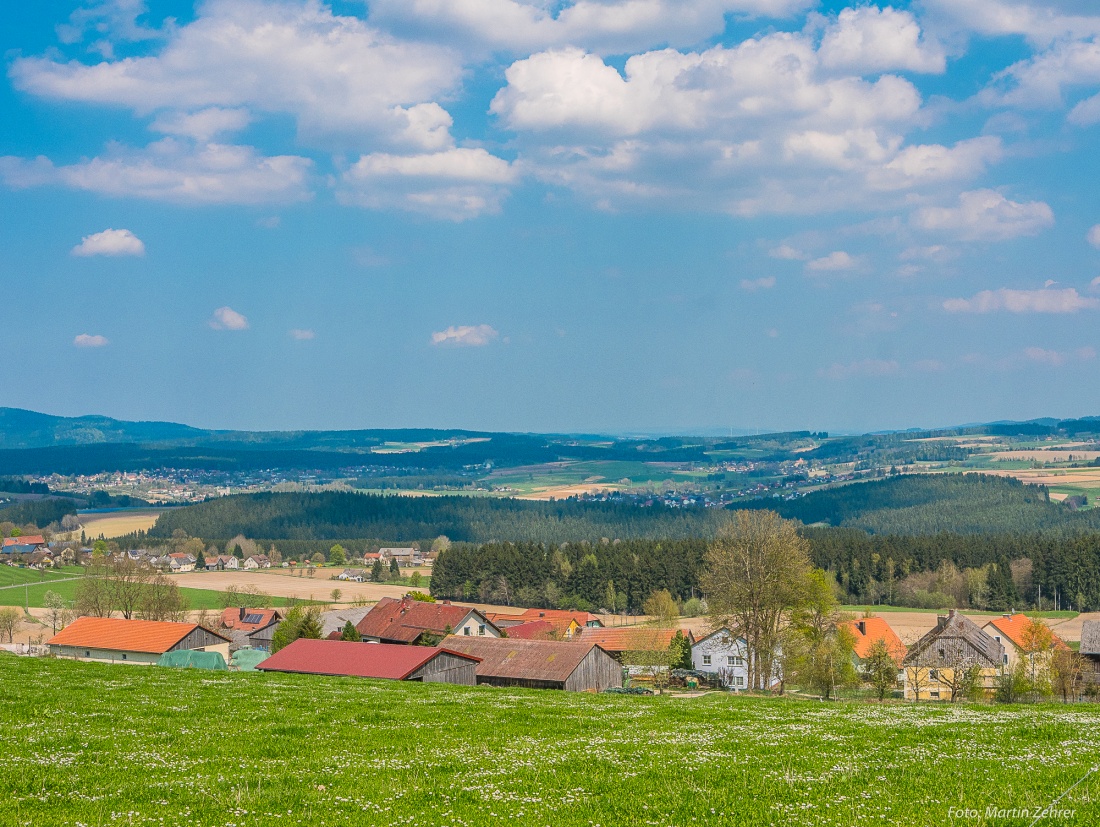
(95, 744)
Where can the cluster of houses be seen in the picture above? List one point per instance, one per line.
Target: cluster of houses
(407, 639)
(405, 556)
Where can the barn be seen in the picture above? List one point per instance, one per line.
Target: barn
(115, 640)
(540, 664)
(391, 661)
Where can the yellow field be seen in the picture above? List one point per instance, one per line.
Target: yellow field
(118, 523)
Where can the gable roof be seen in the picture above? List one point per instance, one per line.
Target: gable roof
(631, 638)
(360, 660)
(535, 630)
(1014, 628)
(332, 622)
(252, 619)
(971, 644)
(720, 631)
(406, 619)
(533, 660)
(116, 634)
(582, 618)
(25, 540)
(868, 630)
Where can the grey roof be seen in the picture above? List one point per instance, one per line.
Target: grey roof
(955, 641)
(334, 621)
(1090, 637)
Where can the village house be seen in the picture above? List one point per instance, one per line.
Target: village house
(426, 664)
(1014, 633)
(934, 666)
(724, 656)
(26, 544)
(867, 631)
(566, 623)
(248, 620)
(224, 562)
(408, 621)
(1090, 649)
(256, 561)
(352, 575)
(404, 556)
(539, 664)
(115, 640)
(181, 562)
(333, 622)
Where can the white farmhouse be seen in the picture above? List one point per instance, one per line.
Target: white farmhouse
(724, 655)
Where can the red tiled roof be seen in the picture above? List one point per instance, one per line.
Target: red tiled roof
(361, 660)
(231, 618)
(1015, 628)
(534, 630)
(630, 639)
(582, 618)
(25, 540)
(119, 635)
(874, 629)
(405, 620)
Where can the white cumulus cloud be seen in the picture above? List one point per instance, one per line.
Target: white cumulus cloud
(837, 260)
(456, 183)
(173, 170)
(110, 243)
(226, 318)
(335, 75)
(870, 39)
(1094, 235)
(1066, 300)
(465, 336)
(986, 215)
(90, 340)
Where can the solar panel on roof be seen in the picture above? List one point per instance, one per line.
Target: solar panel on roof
(253, 618)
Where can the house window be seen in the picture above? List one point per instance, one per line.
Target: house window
(706, 660)
(731, 660)
(87, 653)
(1005, 658)
(481, 630)
(933, 675)
(738, 681)
(935, 693)
(124, 656)
(466, 631)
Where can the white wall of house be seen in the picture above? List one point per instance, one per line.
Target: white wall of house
(474, 625)
(723, 655)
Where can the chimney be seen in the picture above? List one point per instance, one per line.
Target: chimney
(1007, 616)
(862, 626)
(242, 612)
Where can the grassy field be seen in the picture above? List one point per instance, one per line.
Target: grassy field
(93, 744)
(10, 576)
(36, 588)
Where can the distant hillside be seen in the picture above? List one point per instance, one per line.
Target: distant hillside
(338, 515)
(929, 504)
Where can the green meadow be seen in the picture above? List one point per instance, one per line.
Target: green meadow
(93, 744)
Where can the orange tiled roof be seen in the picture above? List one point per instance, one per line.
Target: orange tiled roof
(630, 638)
(121, 635)
(1015, 627)
(867, 630)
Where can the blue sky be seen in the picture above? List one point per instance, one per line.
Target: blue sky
(600, 215)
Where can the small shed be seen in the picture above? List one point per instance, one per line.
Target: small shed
(540, 664)
(373, 660)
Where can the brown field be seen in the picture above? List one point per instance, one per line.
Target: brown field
(560, 492)
(319, 587)
(118, 523)
(1045, 456)
(1077, 476)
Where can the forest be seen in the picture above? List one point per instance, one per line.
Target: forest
(933, 503)
(335, 515)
